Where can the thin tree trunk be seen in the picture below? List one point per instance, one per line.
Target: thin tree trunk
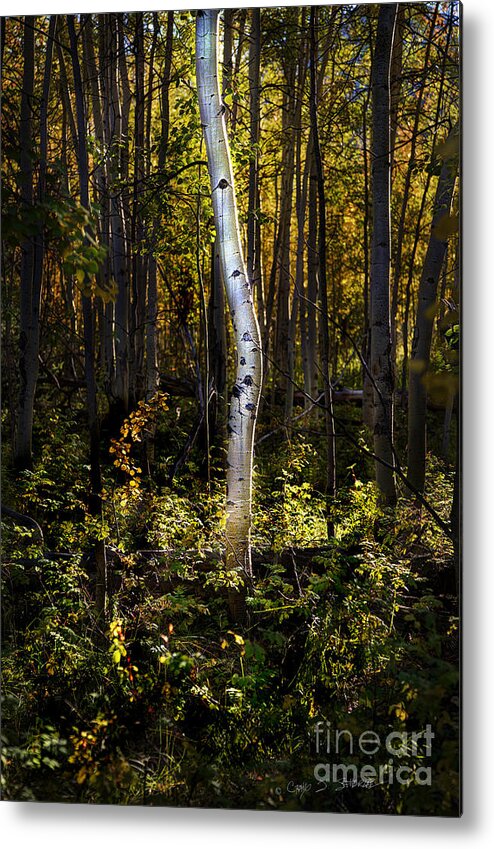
(139, 271)
(33, 259)
(381, 367)
(400, 236)
(368, 389)
(298, 302)
(241, 18)
(117, 141)
(29, 310)
(419, 363)
(311, 358)
(245, 395)
(291, 126)
(253, 230)
(165, 90)
(99, 86)
(419, 227)
(396, 80)
(323, 286)
(95, 503)
(64, 92)
(312, 366)
(152, 370)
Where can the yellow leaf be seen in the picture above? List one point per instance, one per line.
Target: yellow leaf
(81, 775)
(401, 713)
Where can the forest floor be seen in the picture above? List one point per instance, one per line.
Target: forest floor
(167, 702)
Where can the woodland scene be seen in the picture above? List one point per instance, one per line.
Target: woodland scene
(230, 262)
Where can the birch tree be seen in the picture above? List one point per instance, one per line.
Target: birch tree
(248, 379)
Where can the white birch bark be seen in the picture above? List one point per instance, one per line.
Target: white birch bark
(244, 399)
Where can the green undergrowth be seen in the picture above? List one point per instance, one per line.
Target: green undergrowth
(167, 702)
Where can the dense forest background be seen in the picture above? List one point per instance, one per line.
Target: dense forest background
(137, 666)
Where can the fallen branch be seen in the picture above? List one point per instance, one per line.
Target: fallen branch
(24, 521)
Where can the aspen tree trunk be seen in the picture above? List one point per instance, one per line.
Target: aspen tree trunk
(139, 266)
(419, 225)
(298, 303)
(292, 109)
(311, 372)
(118, 168)
(165, 92)
(245, 394)
(310, 316)
(33, 249)
(227, 62)
(381, 367)
(419, 363)
(300, 282)
(323, 286)
(217, 336)
(396, 72)
(236, 22)
(88, 318)
(64, 95)
(39, 245)
(412, 164)
(97, 80)
(29, 313)
(253, 229)
(152, 369)
(368, 389)
(125, 106)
